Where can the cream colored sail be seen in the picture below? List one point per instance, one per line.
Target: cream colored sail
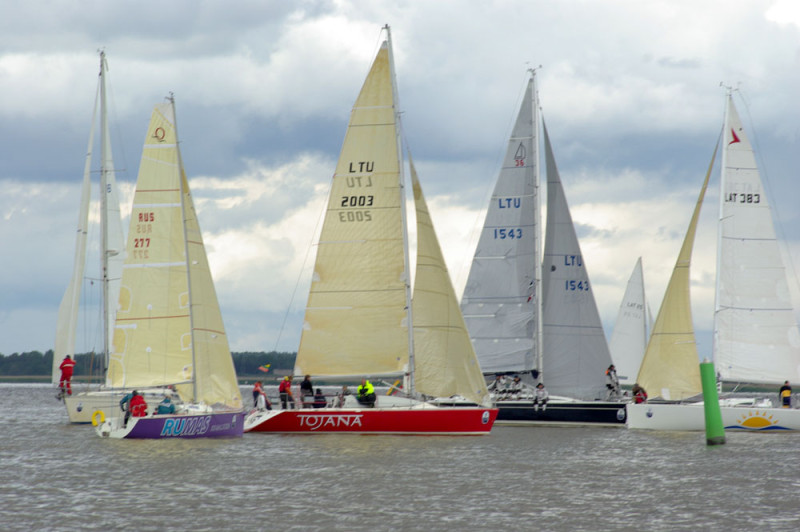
(169, 329)
(356, 318)
(445, 361)
(671, 367)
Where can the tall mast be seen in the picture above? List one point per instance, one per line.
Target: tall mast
(723, 165)
(537, 246)
(104, 169)
(183, 192)
(402, 185)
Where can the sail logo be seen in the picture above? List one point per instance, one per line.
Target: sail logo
(159, 134)
(519, 156)
(755, 420)
(315, 422)
(735, 137)
(183, 427)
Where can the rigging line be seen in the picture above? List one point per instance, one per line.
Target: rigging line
(314, 234)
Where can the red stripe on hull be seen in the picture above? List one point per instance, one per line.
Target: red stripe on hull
(430, 421)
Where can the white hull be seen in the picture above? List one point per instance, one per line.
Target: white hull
(82, 406)
(751, 417)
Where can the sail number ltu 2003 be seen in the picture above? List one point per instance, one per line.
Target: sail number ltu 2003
(356, 204)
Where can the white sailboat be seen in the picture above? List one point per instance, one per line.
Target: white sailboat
(629, 338)
(532, 314)
(361, 320)
(756, 338)
(80, 406)
(169, 330)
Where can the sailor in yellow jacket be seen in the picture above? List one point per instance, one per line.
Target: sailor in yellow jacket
(366, 394)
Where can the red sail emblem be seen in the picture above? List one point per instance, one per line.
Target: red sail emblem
(735, 138)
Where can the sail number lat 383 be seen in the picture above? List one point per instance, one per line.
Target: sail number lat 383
(357, 214)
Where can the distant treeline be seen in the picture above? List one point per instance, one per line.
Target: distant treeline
(35, 363)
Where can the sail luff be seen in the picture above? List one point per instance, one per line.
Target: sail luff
(410, 374)
(575, 352)
(537, 220)
(67, 320)
(671, 367)
(184, 196)
(447, 365)
(756, 338)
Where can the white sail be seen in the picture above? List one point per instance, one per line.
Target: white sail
(112, 239)
(501, 301)
(446, 364)
(575, 349)
(169, 329)
(629, 339)
(756, 338)
(671, 368)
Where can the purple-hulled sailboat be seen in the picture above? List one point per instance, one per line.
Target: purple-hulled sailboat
(169, 331)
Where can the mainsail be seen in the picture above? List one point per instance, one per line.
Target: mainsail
(111, 244)
(756, 339)
(501, 301)
(169, 328)
(356, 320)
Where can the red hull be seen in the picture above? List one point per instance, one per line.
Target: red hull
(427, 421)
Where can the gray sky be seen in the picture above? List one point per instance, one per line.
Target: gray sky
(630, 91)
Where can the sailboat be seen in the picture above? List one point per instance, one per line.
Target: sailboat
(530, 314)
(169, 331)
(80, 406)
(629, 338)
(756, 337)
(362, 320)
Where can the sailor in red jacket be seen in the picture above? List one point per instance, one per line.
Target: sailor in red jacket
(65, 383)
(138, 405)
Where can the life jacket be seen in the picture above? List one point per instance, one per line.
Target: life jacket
(138, 406)
(366, 389)
(286, 386)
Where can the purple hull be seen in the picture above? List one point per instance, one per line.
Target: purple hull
(188, 426)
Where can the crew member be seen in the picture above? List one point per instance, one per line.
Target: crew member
(786, 395)
(366, 393)
(65, 383)
(285, 390)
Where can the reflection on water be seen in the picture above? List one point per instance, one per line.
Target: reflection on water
(58, 476)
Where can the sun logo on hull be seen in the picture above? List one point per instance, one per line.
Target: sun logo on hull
(756, 420)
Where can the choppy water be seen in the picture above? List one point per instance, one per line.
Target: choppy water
(57, 476)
